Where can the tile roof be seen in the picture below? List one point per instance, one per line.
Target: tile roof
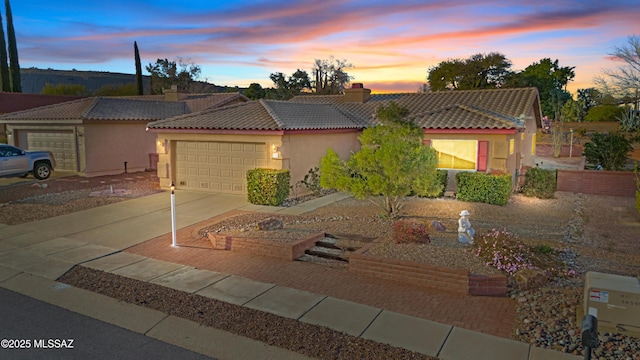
(102, 108)
(265, 115)
(199, 102)
(247, 115)
(130, 108)
(461, 109)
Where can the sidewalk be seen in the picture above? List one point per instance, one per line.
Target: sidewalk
(33, 255)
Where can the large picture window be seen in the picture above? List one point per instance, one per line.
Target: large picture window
(456, 154)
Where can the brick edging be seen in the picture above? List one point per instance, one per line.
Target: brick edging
(459, 281)
(256, 246)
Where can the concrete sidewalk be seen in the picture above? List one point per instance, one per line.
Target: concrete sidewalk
(34, 255)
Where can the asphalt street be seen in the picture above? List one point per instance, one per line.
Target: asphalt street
(31, 329)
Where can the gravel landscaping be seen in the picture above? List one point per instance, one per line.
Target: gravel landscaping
(600, 233)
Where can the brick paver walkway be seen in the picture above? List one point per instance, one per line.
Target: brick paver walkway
(490, 315)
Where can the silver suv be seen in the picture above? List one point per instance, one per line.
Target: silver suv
(18, 162)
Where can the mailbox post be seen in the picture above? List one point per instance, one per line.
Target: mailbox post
(589, 335)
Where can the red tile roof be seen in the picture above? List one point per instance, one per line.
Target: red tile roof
(470, 109)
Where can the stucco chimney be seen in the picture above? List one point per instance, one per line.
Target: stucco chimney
(171, 94)
(357, 93)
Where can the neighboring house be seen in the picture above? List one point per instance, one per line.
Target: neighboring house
(213, 149)
(12, 102)
(103, 135)
(482, 130)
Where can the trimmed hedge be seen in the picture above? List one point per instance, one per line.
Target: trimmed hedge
(484, 188)
(268, 186)
(540, 183)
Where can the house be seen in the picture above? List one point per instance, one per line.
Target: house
(104, 135)
(480, 130)
(12, 102)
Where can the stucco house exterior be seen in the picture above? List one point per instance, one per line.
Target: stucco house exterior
(480, 130)
(12, 102)
(104, 135)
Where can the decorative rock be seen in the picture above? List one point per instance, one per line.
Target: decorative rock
(270, 224)
(530, 278)
(438, 226)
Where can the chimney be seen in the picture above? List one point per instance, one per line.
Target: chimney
(171, 94)
(357, 93)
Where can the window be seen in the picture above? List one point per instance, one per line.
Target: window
(456, 154)
(512, 146)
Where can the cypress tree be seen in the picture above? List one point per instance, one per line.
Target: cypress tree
(4, 65)
(14, 66)
(138, 69)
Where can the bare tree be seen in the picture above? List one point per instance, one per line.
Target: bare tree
(330, 75)
(624, 83)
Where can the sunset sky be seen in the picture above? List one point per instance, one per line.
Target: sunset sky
(391, 44)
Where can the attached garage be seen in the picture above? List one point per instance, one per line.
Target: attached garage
(61, 143)
(217, 166)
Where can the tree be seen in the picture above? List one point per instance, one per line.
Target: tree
(14, 66)
(330, 75)
(139, 85)
(391, 164)
(604, 113)
(165, 73)
(286, 88)
(64, 89)
(608, 150)
(479, 71)
(624, 84)
(551, 80)
(255, 92)
(4, 65)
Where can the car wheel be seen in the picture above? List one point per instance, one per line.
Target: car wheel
(41, 171)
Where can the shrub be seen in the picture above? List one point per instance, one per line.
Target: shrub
(410, 231)
(540, 183)
(486, 188)
(442, 177)
(610, 150)
(312, 181)
(268, 186)
(604, 113)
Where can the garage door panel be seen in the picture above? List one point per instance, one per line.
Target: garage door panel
(61, 143)
(219, 166)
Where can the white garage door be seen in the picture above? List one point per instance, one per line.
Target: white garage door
(62, 144)
(217, 166)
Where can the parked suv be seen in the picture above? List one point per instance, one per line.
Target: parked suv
(18, 162)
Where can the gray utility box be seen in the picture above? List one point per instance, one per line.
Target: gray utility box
(615, 301)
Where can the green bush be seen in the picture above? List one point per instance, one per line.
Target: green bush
(268, 186)
(604, 113)
(410, 231)
(442, 177)
(540, 183)
(484, 188)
